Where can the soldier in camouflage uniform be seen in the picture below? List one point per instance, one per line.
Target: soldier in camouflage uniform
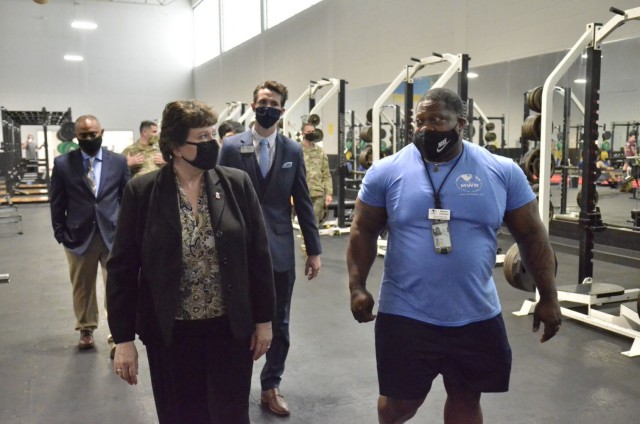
(144, 155)
(318, 175)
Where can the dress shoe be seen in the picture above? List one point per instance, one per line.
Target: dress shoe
(86, 339)
(274, 400)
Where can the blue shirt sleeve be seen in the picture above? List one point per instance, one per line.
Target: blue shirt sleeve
(372, 192)
(519, 192)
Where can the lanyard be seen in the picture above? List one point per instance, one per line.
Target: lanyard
(438, 204)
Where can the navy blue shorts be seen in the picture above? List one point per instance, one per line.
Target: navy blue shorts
(410, 354)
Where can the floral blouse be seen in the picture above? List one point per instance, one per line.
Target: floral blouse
(201, 294)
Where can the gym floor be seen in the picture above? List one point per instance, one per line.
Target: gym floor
(579, 376)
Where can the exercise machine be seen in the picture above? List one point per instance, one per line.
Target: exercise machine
(336, 87)
(587, 293)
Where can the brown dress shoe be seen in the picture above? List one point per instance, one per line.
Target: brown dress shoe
(274, 400)
(86, 339)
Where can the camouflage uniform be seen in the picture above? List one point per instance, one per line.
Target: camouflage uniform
(149, 151)
(318, 179)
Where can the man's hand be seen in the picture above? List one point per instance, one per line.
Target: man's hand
(362, 305)
(328, 200)
(134, 160)
(547, 312)
(312, 266)
(158, 159)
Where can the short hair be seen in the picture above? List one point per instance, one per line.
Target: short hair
(307, 124)
(451, 100)
(229, 126)
(273, 86)
(147, 124)
(178, 118)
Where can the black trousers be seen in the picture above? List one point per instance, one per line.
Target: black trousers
(204, 377)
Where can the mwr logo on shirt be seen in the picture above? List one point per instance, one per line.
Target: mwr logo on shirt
(469, 182)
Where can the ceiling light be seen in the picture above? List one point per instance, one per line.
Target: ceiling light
(84, 25)
(472, 75)
(580, 81)
(73, 58)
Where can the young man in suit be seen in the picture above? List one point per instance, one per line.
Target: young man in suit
(86, 188)
(276, 167)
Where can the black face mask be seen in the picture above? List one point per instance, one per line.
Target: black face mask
(92, 146)
(310, 137)
(434, 145)
(206, 155)
(267, 116)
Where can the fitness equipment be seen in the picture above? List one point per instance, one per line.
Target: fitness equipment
(587, 292)
(11, 123)
(490, 138)
(336, 87)
(236, 111)
(457, 63)
(390, 129)
(629, 128)
(515, 273)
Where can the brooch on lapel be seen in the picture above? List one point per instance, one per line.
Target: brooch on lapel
(287, 165)
(217, 195)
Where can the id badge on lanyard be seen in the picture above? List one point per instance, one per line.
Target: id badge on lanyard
(440, 230)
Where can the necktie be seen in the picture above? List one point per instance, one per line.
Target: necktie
(264, 157)
(91, 175)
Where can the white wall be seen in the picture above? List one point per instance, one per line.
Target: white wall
(138, 59)
(367, 42)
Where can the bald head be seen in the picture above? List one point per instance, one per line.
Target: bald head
(88, 127)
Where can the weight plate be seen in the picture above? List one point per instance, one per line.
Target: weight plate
(366, 157)
(68, 131)
(313, 119)
(515, 273)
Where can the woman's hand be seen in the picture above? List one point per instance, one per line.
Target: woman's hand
(125, 362)
(261, 339)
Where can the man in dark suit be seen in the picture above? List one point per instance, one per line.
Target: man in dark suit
(276, 167)
(86, 188)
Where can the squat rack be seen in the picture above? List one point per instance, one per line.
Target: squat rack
(586, 292)
(457, 63)
(337, 87)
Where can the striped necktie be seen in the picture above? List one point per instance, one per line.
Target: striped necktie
(91, 175)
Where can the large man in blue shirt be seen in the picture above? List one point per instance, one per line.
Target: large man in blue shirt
(443, 200)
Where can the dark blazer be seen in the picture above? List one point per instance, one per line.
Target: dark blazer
(75, 211)
(286, 179)
(144, 268)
